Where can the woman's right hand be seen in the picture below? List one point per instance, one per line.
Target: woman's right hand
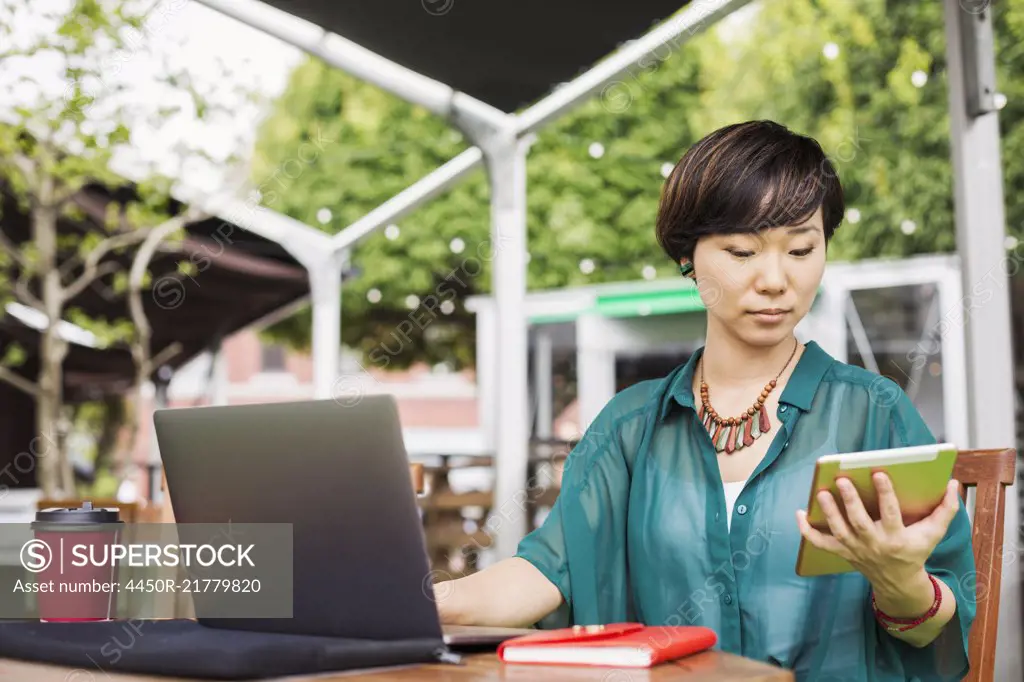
(511, 593)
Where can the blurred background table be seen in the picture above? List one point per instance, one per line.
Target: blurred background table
(459, 511)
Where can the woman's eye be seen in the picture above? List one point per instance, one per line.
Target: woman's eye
(739, 253)
(802, 252)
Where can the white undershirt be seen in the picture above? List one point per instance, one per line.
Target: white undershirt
(732, 491)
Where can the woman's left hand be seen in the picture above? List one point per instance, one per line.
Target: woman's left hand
(886, 551)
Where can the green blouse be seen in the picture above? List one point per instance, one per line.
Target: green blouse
(638, 532)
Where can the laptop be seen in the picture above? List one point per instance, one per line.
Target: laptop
(339, 474)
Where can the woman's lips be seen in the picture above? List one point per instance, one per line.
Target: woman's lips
(770, 315)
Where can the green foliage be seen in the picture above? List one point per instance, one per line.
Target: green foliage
(107, 333)
(867, 79)
(66, 141)
(54, 143)
(334, 142)
(13, 355)
(1009, 20)
(888, 138)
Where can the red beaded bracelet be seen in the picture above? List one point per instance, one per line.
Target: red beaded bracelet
(903, 624)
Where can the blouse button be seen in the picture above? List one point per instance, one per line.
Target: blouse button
(741, 509)
(727, 599)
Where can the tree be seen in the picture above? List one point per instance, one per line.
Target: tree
(867, 79)
(583, 203)
(370, 144)
(1009, 28)
(71, 119)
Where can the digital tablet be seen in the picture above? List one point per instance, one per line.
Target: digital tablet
(919, 476)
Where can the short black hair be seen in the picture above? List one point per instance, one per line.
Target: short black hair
(744, 178)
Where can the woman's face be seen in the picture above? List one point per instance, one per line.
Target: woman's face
(758, 287)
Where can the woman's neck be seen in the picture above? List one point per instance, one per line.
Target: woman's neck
(729, 362)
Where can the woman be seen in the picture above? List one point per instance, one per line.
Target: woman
(683, 503)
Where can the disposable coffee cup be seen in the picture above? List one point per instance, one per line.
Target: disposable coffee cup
(73, 589)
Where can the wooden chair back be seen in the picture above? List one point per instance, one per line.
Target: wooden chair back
(989, 472)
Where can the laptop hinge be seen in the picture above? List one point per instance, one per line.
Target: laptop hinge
(446, 655)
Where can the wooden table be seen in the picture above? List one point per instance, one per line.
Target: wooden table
(706, 667)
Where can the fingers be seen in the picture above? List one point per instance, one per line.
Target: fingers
(817, 538)
(890, 513)
(836, 524)
(935, 525)
(943, 515)
(858, 516)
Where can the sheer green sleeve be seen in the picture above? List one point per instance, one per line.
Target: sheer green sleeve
(582, 540)
(952, 562)
(545, 549)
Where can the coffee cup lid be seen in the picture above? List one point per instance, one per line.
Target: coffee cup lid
(86, 514)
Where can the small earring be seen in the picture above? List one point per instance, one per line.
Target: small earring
(686, 269)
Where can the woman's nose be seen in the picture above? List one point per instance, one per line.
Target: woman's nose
(771, 275)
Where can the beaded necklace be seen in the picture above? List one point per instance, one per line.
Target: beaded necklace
(735, 433)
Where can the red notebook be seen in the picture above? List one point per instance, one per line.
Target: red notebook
(618, 645)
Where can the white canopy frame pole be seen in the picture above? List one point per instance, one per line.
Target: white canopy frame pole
(293, 235)
(325, 292)
(436, 183)
(313, 249)
(505, 156)
(985, 266)
(497, 137)
(542, 383)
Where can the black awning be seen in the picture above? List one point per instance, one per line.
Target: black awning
(508, 54)
(238, 279)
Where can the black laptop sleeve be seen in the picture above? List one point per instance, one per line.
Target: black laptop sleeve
(185, 648)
